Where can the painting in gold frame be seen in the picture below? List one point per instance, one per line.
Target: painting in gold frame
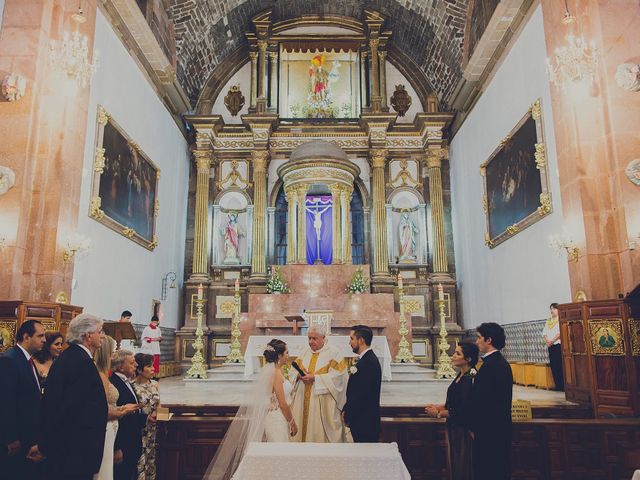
(634, 330)
(124, 195)
(7, 335)
(606, 337)
(515, 178)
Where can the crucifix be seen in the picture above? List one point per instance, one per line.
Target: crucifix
(317, 210)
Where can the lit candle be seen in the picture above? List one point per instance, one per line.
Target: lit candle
(237, 285)
(440, 292)
(200, 292)
(399, 281)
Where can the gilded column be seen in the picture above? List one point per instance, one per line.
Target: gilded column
(434, 164)
(345, 210)
(262, 72)
(200, 269)
(254, 77)
(273, 56)
(335, 189)
(380, 259)
(363, 75)
(258, 259)
(375, 94)
(382, 55)
(302, 224)
(292, 202)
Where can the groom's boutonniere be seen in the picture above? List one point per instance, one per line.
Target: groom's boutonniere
(472, 373)
(353, 370)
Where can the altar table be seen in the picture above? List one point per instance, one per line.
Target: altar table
(297, 345)
(322, 461)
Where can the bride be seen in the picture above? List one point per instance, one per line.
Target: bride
(265, 417)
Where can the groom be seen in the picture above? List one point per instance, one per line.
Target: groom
(361, 412)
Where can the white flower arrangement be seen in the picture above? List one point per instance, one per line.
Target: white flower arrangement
(276, 284)
(358, 283)
(353, 370)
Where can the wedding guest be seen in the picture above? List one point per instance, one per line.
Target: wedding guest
(147, 391)
(458, 410)
(20, 402)
(361, 412)
(44, 358)
(103, 363)
(551, 335)
(128, 443)
(491, 400)
(151, 338)
(75, 406)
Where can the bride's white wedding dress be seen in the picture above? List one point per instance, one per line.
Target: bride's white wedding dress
(258, 420)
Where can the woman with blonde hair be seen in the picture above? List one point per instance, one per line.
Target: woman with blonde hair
(102, 359)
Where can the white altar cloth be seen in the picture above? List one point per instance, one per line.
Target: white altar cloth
(322, 461)
(297, 344)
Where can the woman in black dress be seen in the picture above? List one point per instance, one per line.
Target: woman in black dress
(457, 411)
(45, 357)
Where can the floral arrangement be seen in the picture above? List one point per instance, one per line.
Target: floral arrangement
(358, 283)
(276, 284)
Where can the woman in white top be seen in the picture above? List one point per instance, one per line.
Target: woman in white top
(551, 335)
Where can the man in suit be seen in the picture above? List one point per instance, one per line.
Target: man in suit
(491, 395)
(75, 406)
(128, 444)
(20, 401)
(361, 412)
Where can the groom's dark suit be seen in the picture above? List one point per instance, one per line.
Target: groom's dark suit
(491, 404)
(362, 409)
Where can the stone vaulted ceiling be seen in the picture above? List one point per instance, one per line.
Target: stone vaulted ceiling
(429, 32)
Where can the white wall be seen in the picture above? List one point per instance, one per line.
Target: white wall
(517, 280)
(116, 273)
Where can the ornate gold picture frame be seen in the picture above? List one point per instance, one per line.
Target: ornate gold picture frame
(634, 330)
(124, 194)
(606, 337)
(7, 335)
(515, 178)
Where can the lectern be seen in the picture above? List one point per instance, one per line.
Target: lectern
(297, 321)
(119, 331)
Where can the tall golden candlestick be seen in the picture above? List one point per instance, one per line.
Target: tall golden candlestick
(404, 351)
(235, 355)
(445, 368)
(198, 367)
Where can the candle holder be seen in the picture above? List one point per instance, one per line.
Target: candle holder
(235, 355)
(404, 349)
(198, 367)
(445, 368)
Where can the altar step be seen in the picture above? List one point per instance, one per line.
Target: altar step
(400, 373)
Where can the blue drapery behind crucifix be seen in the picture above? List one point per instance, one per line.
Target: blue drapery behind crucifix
(319, 228)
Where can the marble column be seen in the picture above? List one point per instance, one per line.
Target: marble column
(434, 164)
(200, 268)
(302, 223)
(254, 77)
(345, 211)
(292, 217)
(258, 259)
(382, 56)
(335, 217)
(380, 259)
(375, 94)
(363, 74)
(273, 92)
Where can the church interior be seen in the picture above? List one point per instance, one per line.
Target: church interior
(243, 169)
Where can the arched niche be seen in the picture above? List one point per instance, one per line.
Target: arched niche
(407, 227)
(231, 228)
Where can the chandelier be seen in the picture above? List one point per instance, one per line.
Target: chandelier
(71, 56)
(574, 62)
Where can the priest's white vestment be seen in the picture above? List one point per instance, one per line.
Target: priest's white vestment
(316, 407)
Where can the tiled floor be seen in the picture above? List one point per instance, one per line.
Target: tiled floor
(175, 390)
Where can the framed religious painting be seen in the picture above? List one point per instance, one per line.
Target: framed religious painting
(516, 189)
(607, 337)
(124, 194)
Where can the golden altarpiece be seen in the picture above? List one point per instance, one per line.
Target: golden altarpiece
(321, 151)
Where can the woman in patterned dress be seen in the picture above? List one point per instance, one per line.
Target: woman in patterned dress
(147, 391)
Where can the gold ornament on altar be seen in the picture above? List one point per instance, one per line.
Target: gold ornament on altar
(198, 367)
(234, 100)
(404, 349)
(445, 368)
(235, 355)
(400, 100)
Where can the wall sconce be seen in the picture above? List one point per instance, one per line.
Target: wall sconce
(560, 243)
(13, 87)
(75, 246)
(169, 276)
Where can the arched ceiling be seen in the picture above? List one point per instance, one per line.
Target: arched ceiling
(429, 32)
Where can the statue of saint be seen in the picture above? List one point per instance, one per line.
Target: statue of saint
(407, 231)
(232, 236)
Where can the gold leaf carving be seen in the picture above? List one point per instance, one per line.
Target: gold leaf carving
(94, 208)
(98, 161)
(103, 116)
(540, 156)
(536, 110)
(545, 204)
(512, 229)
(128, 232)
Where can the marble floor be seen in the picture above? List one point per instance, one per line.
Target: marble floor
(177, 391)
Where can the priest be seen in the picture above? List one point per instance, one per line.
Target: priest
(319, 395)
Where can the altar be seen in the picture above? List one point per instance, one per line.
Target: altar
(321, 461)
(297, 345)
